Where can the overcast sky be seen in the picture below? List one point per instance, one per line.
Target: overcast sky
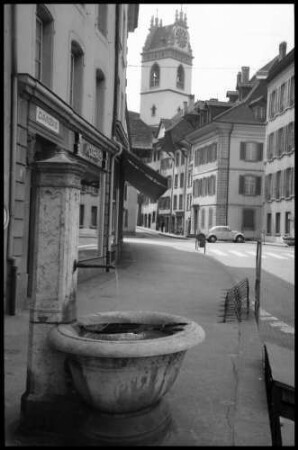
(223, 38)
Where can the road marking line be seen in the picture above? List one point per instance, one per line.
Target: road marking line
(288, 329)
(251, 253)
(275, 256)
(88, 245)
(269, 318)
(238, 253)
(265, 316)
(218, 252)
(264, 313)
(278, 324)
(290, 254)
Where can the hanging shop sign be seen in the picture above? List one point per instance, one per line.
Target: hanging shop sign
(91, 153)
(47, 120)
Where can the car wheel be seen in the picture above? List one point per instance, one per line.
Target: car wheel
(212, 239)
(239, 239)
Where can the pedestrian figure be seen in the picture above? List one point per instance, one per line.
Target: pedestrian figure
(199, 237)
(162, 226)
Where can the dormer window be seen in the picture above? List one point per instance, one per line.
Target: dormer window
(259, 112)
(180, 77)
(155, 75)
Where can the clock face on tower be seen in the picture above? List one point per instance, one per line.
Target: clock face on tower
(181, 37)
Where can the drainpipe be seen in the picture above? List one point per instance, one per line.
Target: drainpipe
(228, 175)
(185, 228)
(13, 140)
(172, 197)
(112, 164)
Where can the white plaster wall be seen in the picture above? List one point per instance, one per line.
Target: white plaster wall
(281, 119)
(167, 102)
(73, 22)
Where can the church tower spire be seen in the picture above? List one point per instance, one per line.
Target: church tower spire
(166, 69)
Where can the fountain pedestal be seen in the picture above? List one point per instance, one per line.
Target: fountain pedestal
(57, 196)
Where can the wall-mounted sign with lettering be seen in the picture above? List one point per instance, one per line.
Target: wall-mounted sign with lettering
(47, 120)
(91, 153)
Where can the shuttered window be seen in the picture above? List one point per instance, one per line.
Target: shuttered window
(251, 151)
(250, 185)
(278, 185)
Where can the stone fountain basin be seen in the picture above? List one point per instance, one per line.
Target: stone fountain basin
(125, 372)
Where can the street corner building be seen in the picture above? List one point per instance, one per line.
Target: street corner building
(67, 154)
(226, 162)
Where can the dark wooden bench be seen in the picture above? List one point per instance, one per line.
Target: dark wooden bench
(279, 378)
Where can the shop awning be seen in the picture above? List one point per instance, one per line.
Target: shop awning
(142, 177)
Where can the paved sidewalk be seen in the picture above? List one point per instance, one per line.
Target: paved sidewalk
(219, 397)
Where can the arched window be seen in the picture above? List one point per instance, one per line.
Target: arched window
(44, 45)
(155, 75)
(102, 17)
(76, 76)
(99, 99)
(180, 77)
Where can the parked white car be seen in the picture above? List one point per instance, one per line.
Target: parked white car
(224, 233)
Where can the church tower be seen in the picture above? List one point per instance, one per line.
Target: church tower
(166, 70)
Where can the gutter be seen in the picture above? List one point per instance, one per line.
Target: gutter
(120, 147)
(228, 174)
(13, 142)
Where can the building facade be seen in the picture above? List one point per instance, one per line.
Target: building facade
(279, 158)
(65, 132)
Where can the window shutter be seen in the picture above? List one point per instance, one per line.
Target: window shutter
(241, 184)
(275, 144)
(258, 185)
(286, 138)
(242, 150)
(260, 152)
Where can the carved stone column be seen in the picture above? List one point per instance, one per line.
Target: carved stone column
(57, 189)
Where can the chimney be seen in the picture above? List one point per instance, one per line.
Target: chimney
(191, 101)
(245, 74)
(185, 107)
(238, 78)
(282, 50)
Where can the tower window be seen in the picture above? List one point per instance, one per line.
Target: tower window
(155, 75)
(180, 77)
(153, 110)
